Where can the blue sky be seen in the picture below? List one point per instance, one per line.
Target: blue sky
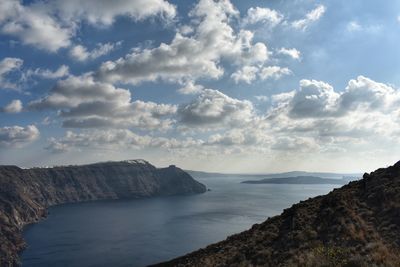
(233, 86)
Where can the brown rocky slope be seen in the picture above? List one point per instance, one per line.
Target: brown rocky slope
(356, 225)
(25, 194)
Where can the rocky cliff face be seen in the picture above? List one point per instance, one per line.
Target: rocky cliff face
(25, 194)
(356, 225)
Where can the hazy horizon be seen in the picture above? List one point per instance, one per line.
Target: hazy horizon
(195, 170)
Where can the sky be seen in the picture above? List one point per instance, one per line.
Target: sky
(228, 86)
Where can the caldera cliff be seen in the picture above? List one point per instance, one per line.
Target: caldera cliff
(25, 194)
(356, 225)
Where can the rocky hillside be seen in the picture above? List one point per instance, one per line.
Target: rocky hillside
(25, 194)
(356, 225)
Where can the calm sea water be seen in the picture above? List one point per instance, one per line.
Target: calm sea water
(140, 232)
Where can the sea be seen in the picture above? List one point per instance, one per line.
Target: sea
(140, 232)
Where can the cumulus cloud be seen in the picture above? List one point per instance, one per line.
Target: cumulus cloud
(194, 56)
(364, 93)
(50, 25)
(246, 74)
(264, 15)
(15, 106)
(7, 66)
(250, 73)
(337, 119)
(314, 98)
(190, 88)
(17, 136)
(274, 72)
(213, 109)
(291, 52)
(33, 26)
(81, 53)
(311, 17)
(319, 99)
(83, 102)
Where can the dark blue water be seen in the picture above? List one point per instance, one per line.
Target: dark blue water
(145, 231)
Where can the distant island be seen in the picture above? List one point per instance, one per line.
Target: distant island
(25, 194)
(298, 180)
(355, 225)
(329, 175)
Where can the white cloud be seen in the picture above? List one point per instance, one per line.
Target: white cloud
(247, 74)
(273, 72)
(261, 98)
(190, 58)
(250, 73)
(314, 98)
(190, 88)
(311, 17)
(80, 53)
(318, 99)
(17, 136)
(295, 144)
(8, 65)
(213, 109)
(83, 102)
(264, 15)
(61, 72)
(353, 26)
(50, 25)
(238, 137)
(364, 93)
(291, 52)
(105, 12)
(33, 26)
(15, 106)
(116, 139)
(315, 118)
(186, 29)
(365, 108)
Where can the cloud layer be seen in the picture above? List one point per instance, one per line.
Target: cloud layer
(83, 102)
(17, 136)
(194, 55)
(52, 25)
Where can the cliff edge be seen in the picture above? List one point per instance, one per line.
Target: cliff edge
(25, 194)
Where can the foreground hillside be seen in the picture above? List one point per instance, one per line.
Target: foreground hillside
(25, 194)
(356, 225)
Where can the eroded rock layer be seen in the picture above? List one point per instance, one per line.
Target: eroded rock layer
(25, 194)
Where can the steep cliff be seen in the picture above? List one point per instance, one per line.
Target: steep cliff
(356, 225)
(25, 194)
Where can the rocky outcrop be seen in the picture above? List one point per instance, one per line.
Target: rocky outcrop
(25, 194)
(356, 225)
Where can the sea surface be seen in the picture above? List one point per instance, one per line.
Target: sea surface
(140, 232)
